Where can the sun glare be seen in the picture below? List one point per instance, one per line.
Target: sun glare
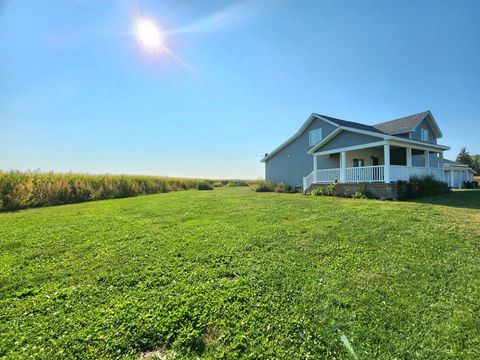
(149, 35)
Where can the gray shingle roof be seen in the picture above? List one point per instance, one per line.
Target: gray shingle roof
(403, 124)
(351, 124)
(453, 162)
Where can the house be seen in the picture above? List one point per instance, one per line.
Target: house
(327, 149)
(456, 174)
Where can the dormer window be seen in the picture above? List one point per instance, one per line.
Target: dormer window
(314, 137)
(425, 135)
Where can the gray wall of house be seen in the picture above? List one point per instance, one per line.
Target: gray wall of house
(348, 138)
(365, 155)
(418, 159)
(331, 161)
(292, 163)
(417, 134)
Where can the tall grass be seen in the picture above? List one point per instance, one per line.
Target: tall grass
(20, 190)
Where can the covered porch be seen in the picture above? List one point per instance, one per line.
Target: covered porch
(382, 162)
(456, 176)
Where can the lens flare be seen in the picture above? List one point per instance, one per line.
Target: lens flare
(149, 35)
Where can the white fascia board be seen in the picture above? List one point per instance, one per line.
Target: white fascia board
(351, 148)
(416, 144)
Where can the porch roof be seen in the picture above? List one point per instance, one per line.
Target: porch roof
(455, 165)
(382, 140)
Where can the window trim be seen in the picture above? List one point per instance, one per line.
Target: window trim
(311, 141)
(425, 135)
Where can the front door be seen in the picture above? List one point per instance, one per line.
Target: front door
(358, 162)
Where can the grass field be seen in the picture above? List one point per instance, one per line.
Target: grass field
(231, 273)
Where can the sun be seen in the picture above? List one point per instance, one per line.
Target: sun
(149, 35)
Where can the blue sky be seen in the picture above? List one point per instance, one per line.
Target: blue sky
(77, 91)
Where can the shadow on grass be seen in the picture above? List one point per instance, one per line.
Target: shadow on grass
(467, 199)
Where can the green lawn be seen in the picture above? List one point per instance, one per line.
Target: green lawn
(231, 273)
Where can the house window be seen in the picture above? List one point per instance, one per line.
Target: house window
(425, 135)
(314, 137)
(358, 162)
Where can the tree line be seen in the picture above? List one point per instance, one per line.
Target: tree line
(471, 160)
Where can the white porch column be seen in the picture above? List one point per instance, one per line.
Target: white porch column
(451, 178)
(409, 161)
(409, 156)
(343, 167)
(386, 161)
(427, 161)
(314, 168)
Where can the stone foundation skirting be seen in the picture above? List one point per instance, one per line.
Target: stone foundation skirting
(378, 190)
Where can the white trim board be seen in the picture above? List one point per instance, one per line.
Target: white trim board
(350, 148)
(393, 140)
(418, 145)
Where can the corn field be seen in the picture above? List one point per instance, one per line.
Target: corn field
(20, 190)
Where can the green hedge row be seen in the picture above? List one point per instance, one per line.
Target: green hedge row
(420, 186)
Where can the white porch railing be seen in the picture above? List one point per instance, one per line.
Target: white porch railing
(369, 174)
(365, 174)
(398, 172)
(308, 180)
(325, 176)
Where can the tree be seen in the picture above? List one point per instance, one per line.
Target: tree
(476, 164)
(464, 157)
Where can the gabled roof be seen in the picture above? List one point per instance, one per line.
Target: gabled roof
(411, 122)
(331, 120)
(350, 124)
(408, 124)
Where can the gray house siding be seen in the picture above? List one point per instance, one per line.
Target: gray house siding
(348, 138)
(331, 161)
(292, 163)
(417, 134)
(418, 159)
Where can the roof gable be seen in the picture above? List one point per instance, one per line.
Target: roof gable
(409, 124)
(305, 125)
